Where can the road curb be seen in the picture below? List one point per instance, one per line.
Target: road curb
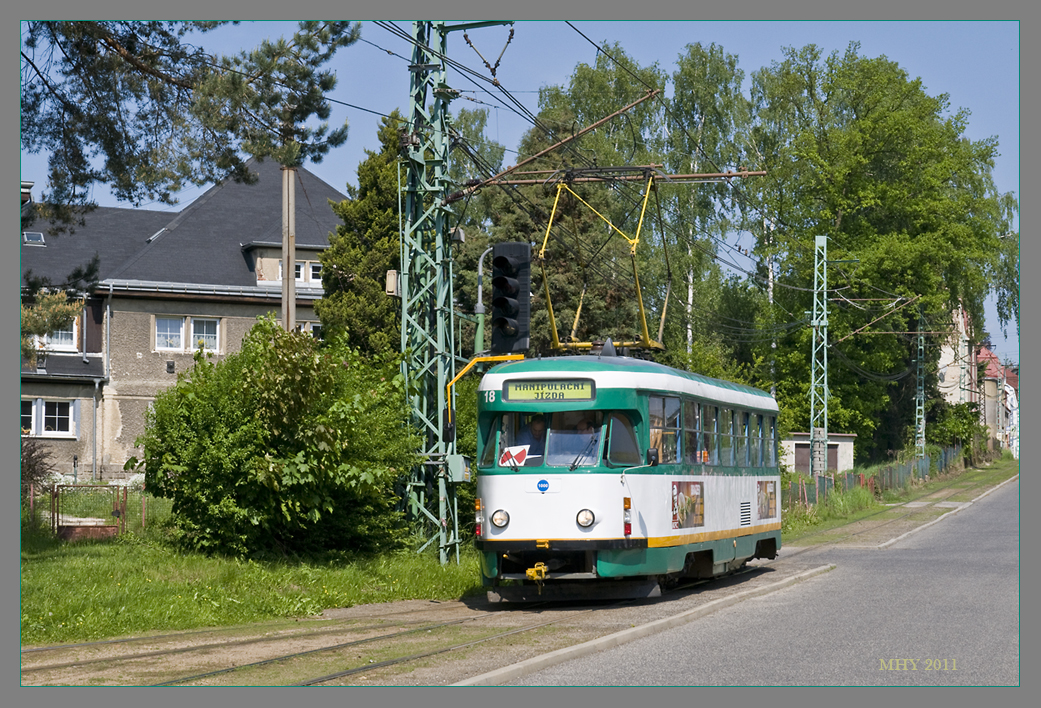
(952, 512)
(513, 671)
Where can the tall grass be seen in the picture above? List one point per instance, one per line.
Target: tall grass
(838, 505)
(133, 584)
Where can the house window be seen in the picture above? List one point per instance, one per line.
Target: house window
(64, 338)
(33, 238)
(49, 418)
(60, 340)
(169, 333)
(316, 272)
(297, 267)
(57, 417)
(28, 419)
(204, 334)
(316, 330)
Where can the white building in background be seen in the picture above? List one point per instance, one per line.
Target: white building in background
(1012, 433)
(957, 364)
(795, 452)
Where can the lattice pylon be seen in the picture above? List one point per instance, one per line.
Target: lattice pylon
(819, 361)
(426, 277)
(920, 397)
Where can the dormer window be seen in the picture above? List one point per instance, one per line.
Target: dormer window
(298, 270)
(60, 340)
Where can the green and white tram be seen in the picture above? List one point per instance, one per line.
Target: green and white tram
(642, 475)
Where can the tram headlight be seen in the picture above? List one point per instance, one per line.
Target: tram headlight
(585, 518)
(500, 518)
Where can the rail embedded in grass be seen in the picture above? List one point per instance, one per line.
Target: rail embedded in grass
(129, 586)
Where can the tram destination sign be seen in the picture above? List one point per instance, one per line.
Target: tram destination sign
(556, 390)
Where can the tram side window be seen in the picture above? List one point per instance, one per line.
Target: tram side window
(622, 448)
(740, 438)
(770, 442)
(665, 427)
(692, 455)
(726, 437)
(708, 434)
(757, 441)
(491, 445)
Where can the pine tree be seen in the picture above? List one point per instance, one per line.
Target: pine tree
(363, 249)
(139, 107)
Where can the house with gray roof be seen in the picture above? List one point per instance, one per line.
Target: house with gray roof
(167, 283)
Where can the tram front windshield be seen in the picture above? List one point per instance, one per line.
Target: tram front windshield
(561, 439)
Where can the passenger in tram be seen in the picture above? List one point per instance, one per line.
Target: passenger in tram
(584, 443)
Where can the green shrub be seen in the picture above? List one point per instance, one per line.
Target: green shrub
(289, 446)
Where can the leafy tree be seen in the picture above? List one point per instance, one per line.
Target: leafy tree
(37, 465)
(857, 151)
(707, 115)
(162, 111)
(1007, 271)
(290, 445)
(474, 157)
(950, 424)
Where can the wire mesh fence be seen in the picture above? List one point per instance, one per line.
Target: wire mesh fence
(808, 492)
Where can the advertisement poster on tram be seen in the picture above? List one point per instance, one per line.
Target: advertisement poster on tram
(688, 505)
(767, 500)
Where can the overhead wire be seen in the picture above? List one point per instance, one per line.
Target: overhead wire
(715, 255)
(756, 333)
(528, 115)
(760, 335)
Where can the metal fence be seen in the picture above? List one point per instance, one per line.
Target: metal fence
(93, 511)
(806, 492)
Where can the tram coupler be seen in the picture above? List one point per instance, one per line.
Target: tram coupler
(538, 574)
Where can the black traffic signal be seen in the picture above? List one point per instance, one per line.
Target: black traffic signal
(511, 297)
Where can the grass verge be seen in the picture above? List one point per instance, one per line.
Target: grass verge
(95, 590)
(805, 525)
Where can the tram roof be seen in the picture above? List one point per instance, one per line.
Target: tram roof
(626, 372)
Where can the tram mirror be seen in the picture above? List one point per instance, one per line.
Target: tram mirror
(652, 457)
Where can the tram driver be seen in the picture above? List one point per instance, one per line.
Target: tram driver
(534, 436)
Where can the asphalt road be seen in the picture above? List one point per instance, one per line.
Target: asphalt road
(938, 608)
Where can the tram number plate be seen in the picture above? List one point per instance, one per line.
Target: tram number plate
(561, 390)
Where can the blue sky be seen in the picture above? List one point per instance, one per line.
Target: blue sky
(976, 63)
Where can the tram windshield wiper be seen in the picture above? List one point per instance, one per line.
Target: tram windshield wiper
(590, 446)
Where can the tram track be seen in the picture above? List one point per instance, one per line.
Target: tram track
(216, 645)
(396, 661)
(393, 642)
(189, 634)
